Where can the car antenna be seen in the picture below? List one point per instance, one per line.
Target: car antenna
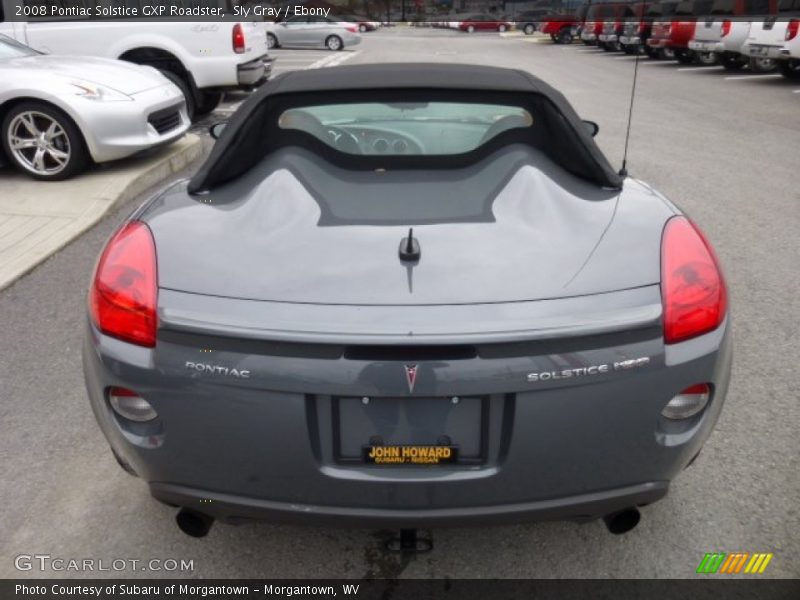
(623, 172)
(409, 247)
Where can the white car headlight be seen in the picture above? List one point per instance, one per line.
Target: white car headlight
(93, 91)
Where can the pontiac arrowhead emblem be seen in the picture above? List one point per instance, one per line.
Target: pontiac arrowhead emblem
(411, 377)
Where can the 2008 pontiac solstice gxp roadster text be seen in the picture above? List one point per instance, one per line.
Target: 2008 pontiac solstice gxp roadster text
(407, 295)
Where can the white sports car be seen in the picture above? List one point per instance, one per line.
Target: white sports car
(58, 113)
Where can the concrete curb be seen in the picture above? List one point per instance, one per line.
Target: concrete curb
(37, 219)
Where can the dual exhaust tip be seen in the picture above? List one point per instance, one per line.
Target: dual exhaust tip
(197, 525)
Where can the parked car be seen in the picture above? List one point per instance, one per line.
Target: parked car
(312, 32)
(59, 113)
(529, 21)
(673, 36)
(593, 24)
(364, 25)
(330, 364)
(614, 26)
(202, 60)
(766, 39)
(484, 23)
(636, 33)
(789, 61)
(728, 19)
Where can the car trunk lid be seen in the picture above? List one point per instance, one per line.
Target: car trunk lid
(501, 231)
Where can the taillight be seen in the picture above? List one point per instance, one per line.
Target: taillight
(351, 28)
(640, 29)
(122, 300)
(791, 29)
(692, 287)
(726, 28)
(238, 39)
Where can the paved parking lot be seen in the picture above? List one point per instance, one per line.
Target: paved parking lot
(723, 147)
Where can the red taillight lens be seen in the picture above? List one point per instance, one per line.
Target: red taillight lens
(122, 301)
(791, 29)
(726, 28)
(238, 39)
(692, 288)
(351, 28)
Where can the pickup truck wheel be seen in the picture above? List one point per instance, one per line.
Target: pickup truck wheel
(705, 59)
(470, 29)
(564, 36)
(272, 41)
(732, 62)
(208, 102)
(188, 92)
(334, 42)
(790, 68)
(501, 28)
(528, 29)
(762, 65)
(684, 56)
(43, 142)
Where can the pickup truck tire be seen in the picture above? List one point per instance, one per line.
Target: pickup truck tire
(762, 65)
(188, 90)
(63, 152)
(564, 36)
(334, 43)
(790, 68)
(684, 56)
(732, 62)
(470, 29)
(705, 59)
(207, 103)
(529, 29)
(272, 41)
(501, 28)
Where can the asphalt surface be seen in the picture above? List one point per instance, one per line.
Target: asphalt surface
(723, 149)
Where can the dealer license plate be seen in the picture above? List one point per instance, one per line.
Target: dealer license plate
(410, 455)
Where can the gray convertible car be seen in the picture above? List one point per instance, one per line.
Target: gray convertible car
(407, 295)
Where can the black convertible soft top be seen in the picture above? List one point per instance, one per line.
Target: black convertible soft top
(252, 132)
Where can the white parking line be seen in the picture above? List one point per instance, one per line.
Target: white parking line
(759, 76)
(323, 62)
(624, 58)
(342, 57)
(703, 68)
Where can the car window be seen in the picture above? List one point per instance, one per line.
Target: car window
(662, 9)
(424, 128)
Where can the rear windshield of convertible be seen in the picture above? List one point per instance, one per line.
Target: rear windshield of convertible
(405, 128)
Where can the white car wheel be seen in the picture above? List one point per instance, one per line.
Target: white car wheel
(334, 42)
(43, 141)
(529, 29)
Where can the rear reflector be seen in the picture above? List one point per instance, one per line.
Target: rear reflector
(692, 288)
(122, 299)
(688, 403)
(130, 405)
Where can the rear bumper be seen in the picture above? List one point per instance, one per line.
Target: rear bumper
(762, 51)
(702, 46)
(608, 37)
(588, 37)
(254, 72)
(551, 448)
(235, 509)
(658, 42)
(630, 40)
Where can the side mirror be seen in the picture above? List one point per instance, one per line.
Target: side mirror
(216, 129)
(591, 128)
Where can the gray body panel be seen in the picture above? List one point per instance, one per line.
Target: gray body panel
(524, 269)
(514, 227)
